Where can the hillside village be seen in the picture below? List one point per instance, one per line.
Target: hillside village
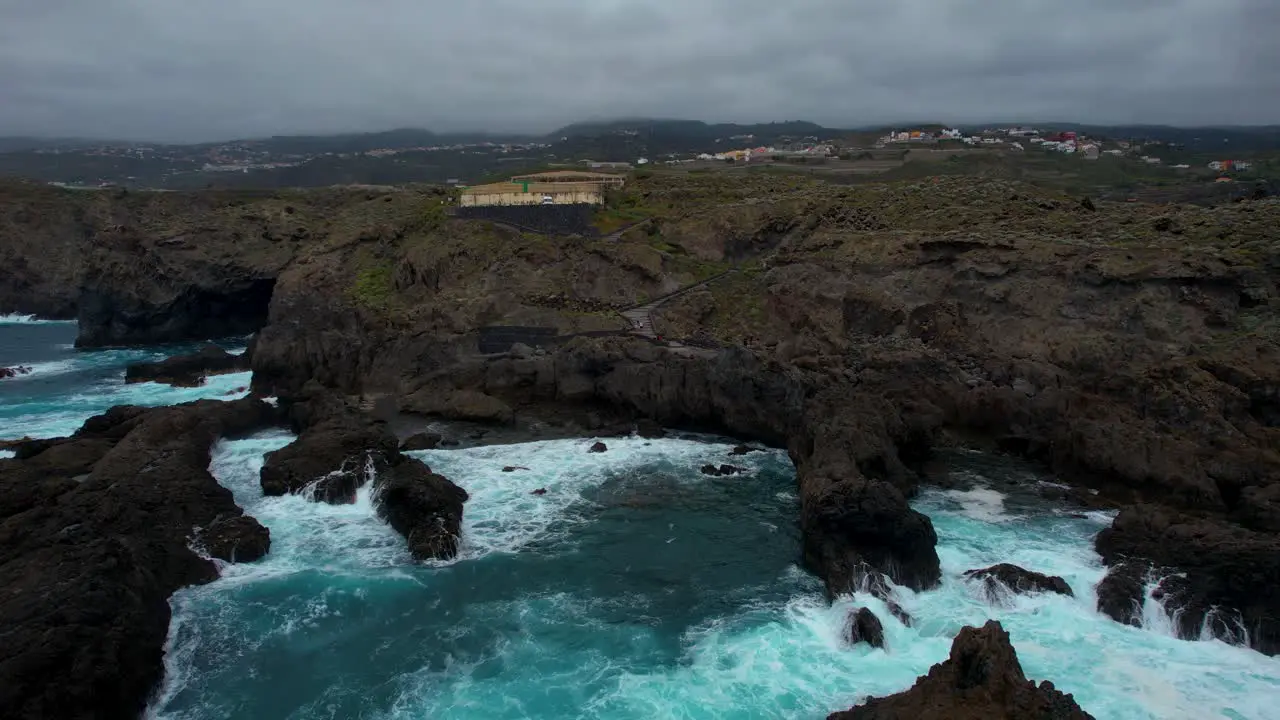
(1020, 139)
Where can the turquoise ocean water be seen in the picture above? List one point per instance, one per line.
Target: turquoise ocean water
(634, 588)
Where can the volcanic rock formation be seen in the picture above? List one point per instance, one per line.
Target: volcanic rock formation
(981, 680)
(1019, 580)
(339, 449)
(190, 370)
(96, 531)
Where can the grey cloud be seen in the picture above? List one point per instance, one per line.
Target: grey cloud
(160, 69)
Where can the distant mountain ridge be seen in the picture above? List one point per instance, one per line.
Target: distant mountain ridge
(663, 130)
(694, 128)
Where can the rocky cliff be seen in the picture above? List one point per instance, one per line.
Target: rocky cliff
(1131, 348)
(96, 531)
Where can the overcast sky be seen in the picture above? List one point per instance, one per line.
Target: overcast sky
(214, 69)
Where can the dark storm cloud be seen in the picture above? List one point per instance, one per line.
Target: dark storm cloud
(201, 70)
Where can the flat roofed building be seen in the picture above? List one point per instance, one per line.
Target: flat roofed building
(572, 176)
(532, 193)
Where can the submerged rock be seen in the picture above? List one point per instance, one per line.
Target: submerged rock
(1019, 580)
(864, 626)
(513, 468)
(877, 583)
(981, 680)
(539, 491)
(421, 441)
(722, 470)
(598, 447)
(15, 371)
(743, 450)
(189, 370)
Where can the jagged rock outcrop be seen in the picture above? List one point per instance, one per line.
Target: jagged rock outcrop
(1216, 575)
(337, 451)
(15, 371)
(981, 680)
(424, 507)
(235, 539)
(1121, 592)
(340, 449)
(189, 370)
(864, 626)
(854, 483)
(96, 532)
(1019, 580)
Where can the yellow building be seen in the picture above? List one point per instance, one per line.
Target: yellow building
(532, 193)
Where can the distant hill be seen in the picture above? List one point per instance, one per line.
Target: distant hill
(1195, 138)
(689, 128)
(364, 142)
(1199, 139)
(28, 144)
(628, 139)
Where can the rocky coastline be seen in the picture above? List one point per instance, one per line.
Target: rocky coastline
(1134, 352)
(100, 528)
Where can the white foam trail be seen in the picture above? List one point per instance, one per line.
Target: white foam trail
(15, 319)
(43, 369)
(6, 454)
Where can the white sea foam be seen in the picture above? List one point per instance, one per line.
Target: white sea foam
(43, 369)
(15, 319)
(981, 503)
(786, 658)
(504, 515)
(6, 454)
(65, 415)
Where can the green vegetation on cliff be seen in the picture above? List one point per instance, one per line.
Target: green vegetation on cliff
(373, 288)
